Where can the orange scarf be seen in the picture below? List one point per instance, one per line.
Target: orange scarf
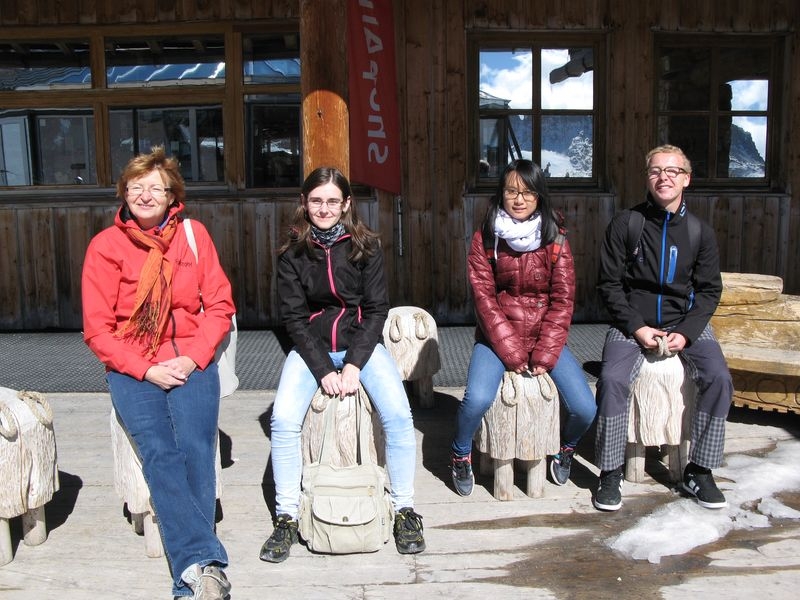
(153, 299)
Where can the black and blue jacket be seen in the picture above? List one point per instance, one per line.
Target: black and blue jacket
(664, 283)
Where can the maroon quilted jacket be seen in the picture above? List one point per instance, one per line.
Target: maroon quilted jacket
(524, 306)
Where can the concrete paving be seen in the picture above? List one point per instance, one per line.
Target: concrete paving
(555, 547)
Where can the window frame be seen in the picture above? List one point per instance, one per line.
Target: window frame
(101, 97)
(478, 41)
(775, 44)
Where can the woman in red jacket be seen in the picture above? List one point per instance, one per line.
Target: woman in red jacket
(143, 318)
(523, 284)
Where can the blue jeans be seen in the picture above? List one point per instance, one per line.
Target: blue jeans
(175, 433)
(483, 380)
(296, 389)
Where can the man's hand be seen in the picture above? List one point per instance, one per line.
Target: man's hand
(676, 342)
(648, 337)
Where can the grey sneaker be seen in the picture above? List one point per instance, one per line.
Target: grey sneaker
(213, 584)
(561, 464)
(609, 492)
(699, 482)
(207, 583)
(276, 548)
(463, 479)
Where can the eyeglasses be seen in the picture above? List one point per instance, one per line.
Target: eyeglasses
(512, 194)
(156, 191)
(332, 203)
(672, 172)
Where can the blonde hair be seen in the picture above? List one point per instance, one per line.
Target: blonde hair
(157, 160)
(669, 149)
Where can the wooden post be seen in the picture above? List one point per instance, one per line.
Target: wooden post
(323, 85)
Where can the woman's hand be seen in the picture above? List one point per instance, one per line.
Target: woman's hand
(341, 384)
(331, 383)
(171, 373)
(350, 379)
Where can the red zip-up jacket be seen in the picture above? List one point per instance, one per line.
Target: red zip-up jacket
(524, 305)
(330, 304)
(110, 276)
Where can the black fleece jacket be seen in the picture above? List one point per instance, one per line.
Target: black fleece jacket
(330, 304)
(663, 286)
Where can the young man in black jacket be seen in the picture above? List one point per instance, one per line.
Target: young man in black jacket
(660, 278)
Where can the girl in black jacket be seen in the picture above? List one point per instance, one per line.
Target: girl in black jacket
(334, 304)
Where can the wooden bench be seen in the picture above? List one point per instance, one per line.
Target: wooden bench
(522, 424)
(758, 328)
(28, 467)
(411, 337)
(131, 487)
(661, 408)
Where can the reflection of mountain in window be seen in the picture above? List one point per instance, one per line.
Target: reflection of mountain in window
(713, 102)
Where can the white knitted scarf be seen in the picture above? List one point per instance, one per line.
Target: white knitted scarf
(522, 236)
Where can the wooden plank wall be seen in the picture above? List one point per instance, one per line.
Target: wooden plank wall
(42, 290)
(435, 127)
(426, 230)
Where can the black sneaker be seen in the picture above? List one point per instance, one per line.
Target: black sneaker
(276, 548)
(561, 464)
(408, 531)
(699, 482)
(463, 479)
(609, 491)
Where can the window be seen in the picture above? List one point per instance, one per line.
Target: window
(273, 131)
(206, 99)
(191, 134)
(44, 65)
(46, 147)
(715, 100)
(165, 61)
(271, 68)
(537, 98)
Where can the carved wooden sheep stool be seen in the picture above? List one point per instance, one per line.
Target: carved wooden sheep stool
(412, 339)
(346, 428)
(28, 466)
(522, 424)
(131, 487)
(660, 414)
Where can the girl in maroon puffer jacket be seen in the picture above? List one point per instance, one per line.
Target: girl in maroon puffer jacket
(523, 282)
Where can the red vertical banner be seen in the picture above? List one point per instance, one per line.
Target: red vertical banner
(374, 122)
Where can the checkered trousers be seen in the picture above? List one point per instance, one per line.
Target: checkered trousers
(622, 359)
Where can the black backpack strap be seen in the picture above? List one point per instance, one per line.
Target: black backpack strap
(695, 233)
(488, 248)
(635, 228)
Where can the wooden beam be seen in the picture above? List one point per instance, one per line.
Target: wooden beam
(323, 85)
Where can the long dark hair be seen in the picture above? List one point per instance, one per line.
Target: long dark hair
(534, 180)
(365, 242)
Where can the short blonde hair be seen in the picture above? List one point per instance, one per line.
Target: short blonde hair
(157, 160)
(669, 149)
